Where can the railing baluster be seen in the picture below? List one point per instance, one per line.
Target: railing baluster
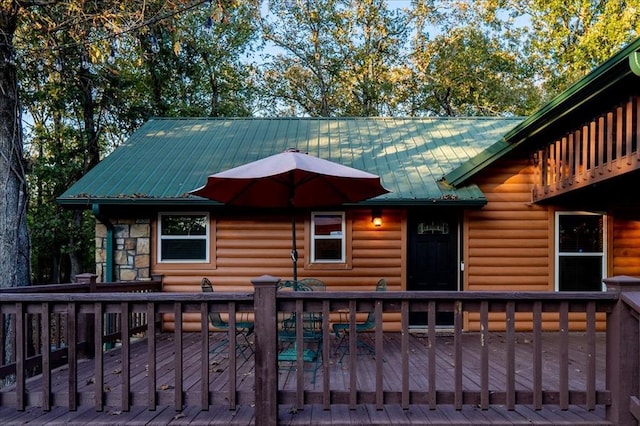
(609, 142)
(98, 320)
(124, 354)
(404, 307)
(484, 355)
(46, 356)
(177, 335)
(299, 355)
(591, 355)
(619, 135)
(326, 383)
(204, 356)
(511, 354)
(20, 356)
(72, 356)
(151, 356)
(593, 147)
(353, 354)
(537, 355)
(431, 325)
(629, 133)
(379, 355)
(601, 138)
(457, 347)
(564, 355)
(233, 355)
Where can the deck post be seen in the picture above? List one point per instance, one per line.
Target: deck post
(622, 353)
(86, 331)
(266, 364)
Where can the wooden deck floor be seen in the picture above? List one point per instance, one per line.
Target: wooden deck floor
(339, 380)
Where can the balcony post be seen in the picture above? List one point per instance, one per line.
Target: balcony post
(266, 363)
(622, 353)
(86, 331)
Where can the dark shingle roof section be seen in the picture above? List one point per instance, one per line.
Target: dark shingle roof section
(166, 158)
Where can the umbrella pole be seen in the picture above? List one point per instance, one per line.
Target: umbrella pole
(294, 251)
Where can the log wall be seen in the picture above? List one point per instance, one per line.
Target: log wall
(245, 248)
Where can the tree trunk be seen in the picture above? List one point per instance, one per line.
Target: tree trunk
(14, 238)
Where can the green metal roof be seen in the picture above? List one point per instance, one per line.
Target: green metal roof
(166, 158)
(614, 78)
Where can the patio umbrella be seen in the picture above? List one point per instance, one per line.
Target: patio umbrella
(291, 180)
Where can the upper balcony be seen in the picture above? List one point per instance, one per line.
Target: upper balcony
(602, 149)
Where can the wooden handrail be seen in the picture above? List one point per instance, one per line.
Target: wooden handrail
(265, 303)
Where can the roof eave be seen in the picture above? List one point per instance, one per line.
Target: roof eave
(88, 203)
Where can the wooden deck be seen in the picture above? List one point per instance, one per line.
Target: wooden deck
(339, 377)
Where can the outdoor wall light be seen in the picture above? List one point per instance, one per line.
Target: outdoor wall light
(376, 217)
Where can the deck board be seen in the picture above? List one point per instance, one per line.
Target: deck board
(339, 374)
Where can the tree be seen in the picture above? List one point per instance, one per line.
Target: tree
(303, 79)
(14, 238)
(95, 80)
(474, 65)
(571, 37)
(372, 44)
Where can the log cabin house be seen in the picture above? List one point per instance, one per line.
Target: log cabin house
(543, 203)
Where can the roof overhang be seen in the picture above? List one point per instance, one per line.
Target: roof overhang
(86, 203)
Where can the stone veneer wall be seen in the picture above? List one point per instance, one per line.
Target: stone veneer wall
(132, 249)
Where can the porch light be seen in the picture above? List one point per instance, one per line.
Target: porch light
(376, 218)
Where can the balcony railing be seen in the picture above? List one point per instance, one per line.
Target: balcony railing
(603, 148)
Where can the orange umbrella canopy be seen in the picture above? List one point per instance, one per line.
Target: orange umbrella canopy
(291, 179)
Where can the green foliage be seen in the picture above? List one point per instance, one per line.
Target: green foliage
(318, 58)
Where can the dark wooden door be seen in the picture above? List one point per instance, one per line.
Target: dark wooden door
(432, 258)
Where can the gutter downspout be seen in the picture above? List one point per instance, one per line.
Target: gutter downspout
(95, 208)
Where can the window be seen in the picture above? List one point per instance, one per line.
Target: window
(328, 237)
(183, 237)
(580, 251)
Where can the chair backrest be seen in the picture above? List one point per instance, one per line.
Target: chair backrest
(214, 317)
(310, 284)
(305, 284)
(381, 285)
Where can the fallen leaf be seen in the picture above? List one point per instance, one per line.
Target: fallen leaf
(165, 387)
(179, 416)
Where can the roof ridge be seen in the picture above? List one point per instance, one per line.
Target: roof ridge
(438, 118)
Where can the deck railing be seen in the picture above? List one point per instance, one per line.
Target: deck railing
(46, 335)
(194, 386)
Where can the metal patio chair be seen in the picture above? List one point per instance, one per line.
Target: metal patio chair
(341, 329)
(243, 328)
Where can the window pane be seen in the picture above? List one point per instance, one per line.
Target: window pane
(581, 234)
(177, 249)
(328, 225)
(184, 225)
(328, 249)
(580, 273)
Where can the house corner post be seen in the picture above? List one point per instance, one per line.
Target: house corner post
(266, 364)
(622, 353)
(86, 331)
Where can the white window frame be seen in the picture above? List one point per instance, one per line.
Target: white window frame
(343, 237)
(205, 237)
(603, 254)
